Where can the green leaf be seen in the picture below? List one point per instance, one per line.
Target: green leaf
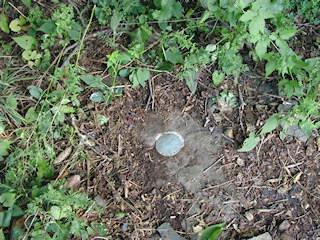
(261, 47)
(35, 91)
(55, 212)
(271, 66)
(288, 33)
(115, 20)
(173, 55)
(25, 42)
(247, 16)
(93, 81)
(15, 25)
(257, 25)
(16, 211)
(4, 147)
(217, 77)
(2, 236)
(205, 16)
(47, 27)
(143, 74)
(271, 124)
(27, 3)
(5, 218)
(249, 143)
(4, 24)
(97, 97)
(8, 199)
(74, 34)
(101, 119)
(11, 102)
(141, 34)
(212, 232)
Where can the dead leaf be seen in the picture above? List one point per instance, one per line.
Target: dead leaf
(73, 182)
(63, 155)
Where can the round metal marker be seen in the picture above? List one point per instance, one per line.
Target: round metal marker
(169, 143)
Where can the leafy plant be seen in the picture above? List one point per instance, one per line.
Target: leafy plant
(212, 232)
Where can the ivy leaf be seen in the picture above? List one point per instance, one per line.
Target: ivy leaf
(212, 232)
(247, 16)
(97, 97)
(257, 25)
(141, 34)
(173, 55)
(143, 74)
(25, 42)
(261, 47)
(217, 77)
(271, 124)
(249, 143)
(271, 66)
(35, 91)
(93, 81)
(4, 24)
(4, 148)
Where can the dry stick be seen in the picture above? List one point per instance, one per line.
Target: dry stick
(28, 228)
(76, 45)
(17, 10)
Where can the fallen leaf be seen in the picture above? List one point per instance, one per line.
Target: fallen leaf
(63, 155)
(73, 182)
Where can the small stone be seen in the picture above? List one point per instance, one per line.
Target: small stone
(318, 143)
(264, 236)
(285, 225)
(249, 215)
(229, 133)
(100, 201)
(241, 162)
(284, 236)
(74, 182)
(168, 233)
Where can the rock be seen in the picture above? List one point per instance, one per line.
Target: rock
(241, 162)
(73, 182)
(296, 131)
(168, 233)
(100, 201)
(264, 236)
(285, 225)
(284, 236)
(229, 133)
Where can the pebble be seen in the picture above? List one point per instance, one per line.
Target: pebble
(249, 215)
(284, 236)
(241, 162)
(168, 233)
(264, 236)
(285, 225)
(73, 182)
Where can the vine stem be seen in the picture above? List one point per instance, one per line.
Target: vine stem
(84, 34)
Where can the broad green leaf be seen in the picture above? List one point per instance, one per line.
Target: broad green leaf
(271, 124)
(25, 42)
(74, 34)
(47, 27)
(271, 66)
(92, 81)
(141, 34)
(8, 199)
(143, 74)
(15, 25)
(97, 97)
(261, 47)
(250, 143)
(28, 3)
(288, 33)
(31, 115)
(55, 212)
(247, 16)
(212, 232)
(5, 218)
(211, 47)
(2, 236)
(4, 147)
(173, 55)
(4, 24)
(115, 20)
(205, 16)
(16, 211)
(217, 77)
(35, 91)
(11, 102)
(257, 25)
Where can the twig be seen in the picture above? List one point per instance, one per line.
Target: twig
(17, 10)
(29, 227)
